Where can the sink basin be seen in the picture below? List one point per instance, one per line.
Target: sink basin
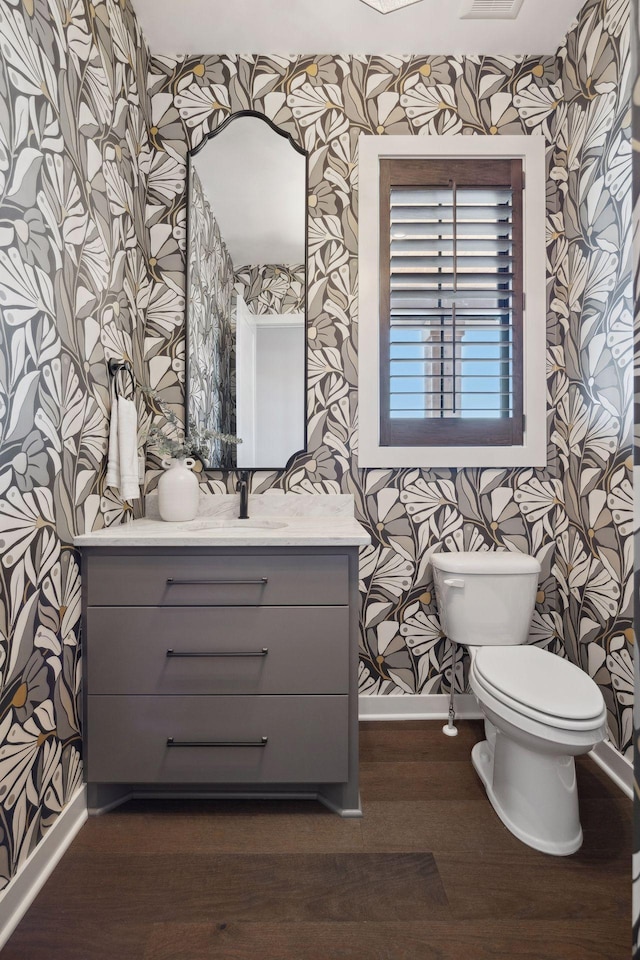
(233, 523)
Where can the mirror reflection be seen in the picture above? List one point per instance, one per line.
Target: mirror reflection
(246, 282)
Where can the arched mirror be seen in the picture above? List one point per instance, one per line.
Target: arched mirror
(246, 294)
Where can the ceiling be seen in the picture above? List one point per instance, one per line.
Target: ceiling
(256, 184)
(335, 26)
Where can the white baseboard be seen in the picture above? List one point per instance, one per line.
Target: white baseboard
(18, 896)
(617, 767)
(418, 706)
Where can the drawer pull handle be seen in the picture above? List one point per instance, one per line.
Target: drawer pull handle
(217, 743)
(172, 582)
(221, 653)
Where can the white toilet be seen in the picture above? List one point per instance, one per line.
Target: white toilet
(540, 710)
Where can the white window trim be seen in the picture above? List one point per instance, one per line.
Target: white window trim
(533, 452)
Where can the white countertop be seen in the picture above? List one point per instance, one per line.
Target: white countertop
(286, 520)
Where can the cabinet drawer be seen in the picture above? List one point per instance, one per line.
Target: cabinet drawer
(307, 739)
(228, 580)
(307, 650)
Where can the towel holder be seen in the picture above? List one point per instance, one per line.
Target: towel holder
(122, 366)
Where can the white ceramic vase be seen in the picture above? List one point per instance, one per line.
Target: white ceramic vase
(178, 490)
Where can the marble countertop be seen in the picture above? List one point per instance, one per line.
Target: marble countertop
(286, 520)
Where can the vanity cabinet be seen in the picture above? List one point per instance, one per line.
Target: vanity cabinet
(213, 671)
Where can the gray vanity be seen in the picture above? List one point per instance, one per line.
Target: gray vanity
(221, 655)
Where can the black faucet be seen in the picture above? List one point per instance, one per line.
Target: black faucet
(243, 489)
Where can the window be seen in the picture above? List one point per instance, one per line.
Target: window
(450, 302)
(450, 362)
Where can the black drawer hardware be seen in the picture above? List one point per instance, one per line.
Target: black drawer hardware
(217, 743)
(171, 582)
(222, 653)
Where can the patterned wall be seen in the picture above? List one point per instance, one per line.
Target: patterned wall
(635, 57)
(589, 255)
(271, 287)
(575, 514)
(211, 327)
(74, 166)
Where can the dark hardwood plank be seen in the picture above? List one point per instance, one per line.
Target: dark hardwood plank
(443, 826)
(543, 888)
(393, 741)
(381, 940)
(220, 826)
(68, 935)
(261, 887)
(419, 780)
(593, 781)
(416, 940)
(607, 828)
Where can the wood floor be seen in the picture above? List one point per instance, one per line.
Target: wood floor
(429, 873)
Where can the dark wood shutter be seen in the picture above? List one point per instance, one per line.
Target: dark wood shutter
(451, 302)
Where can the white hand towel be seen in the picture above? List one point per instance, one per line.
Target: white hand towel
(113, 459)
(122, 463)
(128, 449)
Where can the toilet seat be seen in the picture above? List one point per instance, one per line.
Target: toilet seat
(539, 685)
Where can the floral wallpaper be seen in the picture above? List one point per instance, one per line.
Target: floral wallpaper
(74, 171)
(272, 288)
(211, 326)
(575, 515)
(589, 255)
(635, 48)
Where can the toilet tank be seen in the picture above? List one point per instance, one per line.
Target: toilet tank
(486, 598)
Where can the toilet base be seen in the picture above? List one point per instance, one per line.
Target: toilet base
(534, 794)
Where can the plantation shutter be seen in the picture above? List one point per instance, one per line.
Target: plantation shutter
(451, 302)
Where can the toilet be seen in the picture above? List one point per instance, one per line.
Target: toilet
(540, 710)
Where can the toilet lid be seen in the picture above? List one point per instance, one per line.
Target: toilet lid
(535, 680)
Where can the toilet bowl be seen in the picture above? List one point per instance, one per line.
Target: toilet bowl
(540, 710)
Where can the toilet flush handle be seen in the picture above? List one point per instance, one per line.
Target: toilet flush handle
(454, 582)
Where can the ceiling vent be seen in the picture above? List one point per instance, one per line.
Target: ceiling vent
(490, 9)
(388, 6)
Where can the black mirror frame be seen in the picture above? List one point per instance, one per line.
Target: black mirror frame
(303, 152)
